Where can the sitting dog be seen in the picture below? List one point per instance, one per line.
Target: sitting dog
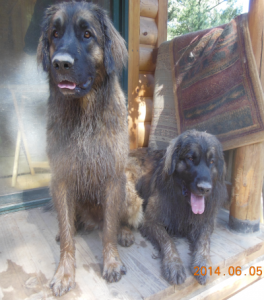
(87, 135)
(183, 188)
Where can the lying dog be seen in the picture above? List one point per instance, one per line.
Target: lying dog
(182, 188)
(87, 136)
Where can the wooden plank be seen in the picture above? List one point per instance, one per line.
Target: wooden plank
(12, 259)
(253, 244)
(133, 71)
(125, 287)
(255, 288)
(225, 288)
(148, 34)
(86, 261)
(85, 248)
(220, 288)
(149, 8)
(89, 258)
(241, 240)
(43, 254)
(143, 273)
(133, 279)
(29, 242)
(231, 254)
(162, 21)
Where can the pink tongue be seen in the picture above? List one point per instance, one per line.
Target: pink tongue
(67, 85)
(197, 204)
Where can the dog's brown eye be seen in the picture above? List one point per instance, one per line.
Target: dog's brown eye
(87, 34)
(212, 161)
(55, 34)
(190, 158)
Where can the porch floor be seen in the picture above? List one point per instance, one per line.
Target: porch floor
(29, 255)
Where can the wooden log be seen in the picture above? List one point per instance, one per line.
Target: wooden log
(145, 109)
(145, 85)
(147, 58)
(148, 31)
(133, 71)
(256, 29)
(248, 161)
(162, 19)
(247, 185)
(149, 8)
(143, 133)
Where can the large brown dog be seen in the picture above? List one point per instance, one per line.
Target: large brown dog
(182, 187)
(87, 134)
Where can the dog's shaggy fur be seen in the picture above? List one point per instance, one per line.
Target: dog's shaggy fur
(87, 137)
(182, 188)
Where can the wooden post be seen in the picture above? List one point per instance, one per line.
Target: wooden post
(162, 20)
(248, 161)
(133, 71)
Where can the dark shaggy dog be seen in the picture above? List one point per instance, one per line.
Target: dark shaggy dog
(182, 187)
(87, 134)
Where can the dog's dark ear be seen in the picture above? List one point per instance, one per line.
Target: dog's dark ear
(115, 52)
(43, 53)
(171, 157)
(43, 56)
(171, 169)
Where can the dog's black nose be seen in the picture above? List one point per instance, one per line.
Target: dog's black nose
(62, 61)
(61, 65)
(204, 187)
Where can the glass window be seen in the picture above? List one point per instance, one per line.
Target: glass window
(23, 102)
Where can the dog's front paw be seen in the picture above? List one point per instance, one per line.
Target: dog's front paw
(125, 237)
(113, 269)
(63, 280)
(199, 269)
(173, 270)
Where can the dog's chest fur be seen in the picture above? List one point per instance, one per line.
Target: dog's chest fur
(81, 135)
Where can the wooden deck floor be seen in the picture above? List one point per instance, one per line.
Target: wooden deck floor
(29, 256)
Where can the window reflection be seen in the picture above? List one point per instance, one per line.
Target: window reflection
(23, 97)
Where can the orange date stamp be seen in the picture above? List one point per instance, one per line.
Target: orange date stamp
(231, 271)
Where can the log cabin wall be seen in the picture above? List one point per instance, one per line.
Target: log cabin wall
(147, 30)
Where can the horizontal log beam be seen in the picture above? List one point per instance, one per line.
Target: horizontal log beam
(149, 8)
(145, 85)
(148, 31)
(147, 58)
(145, 109)
(143, 134)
